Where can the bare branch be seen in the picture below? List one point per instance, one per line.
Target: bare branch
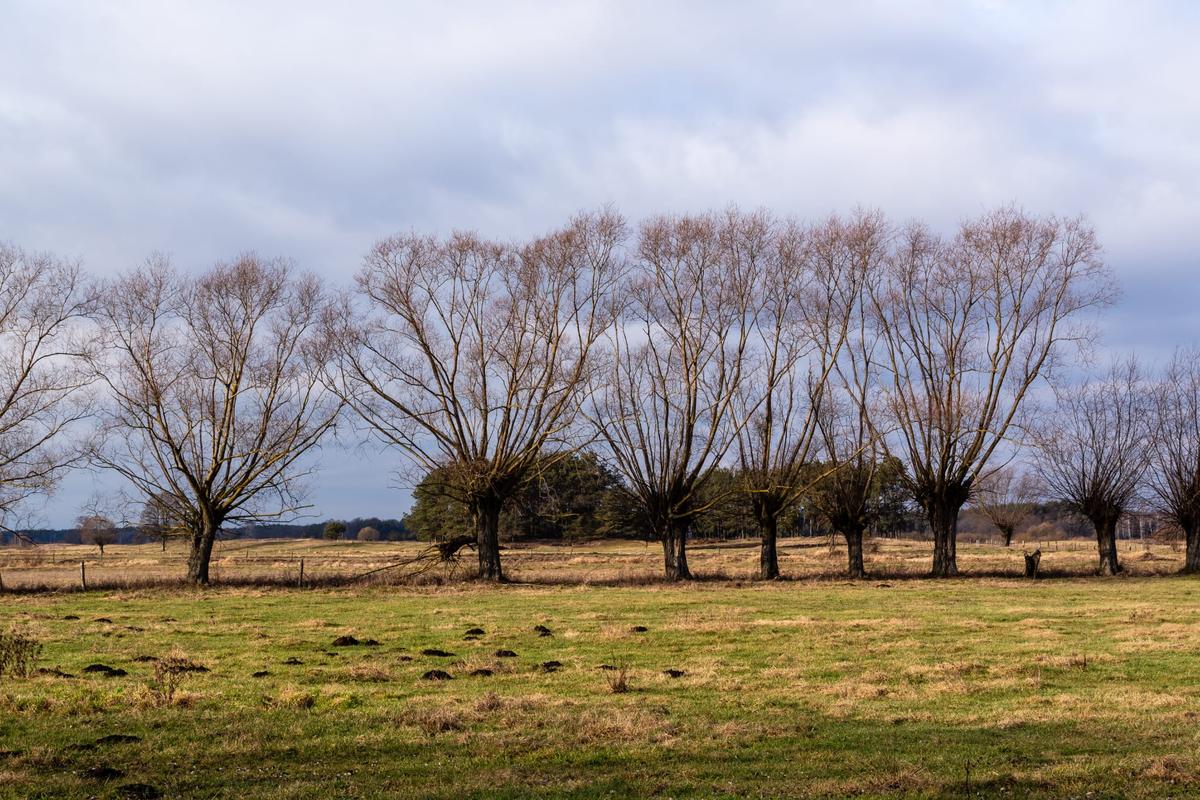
(214, 392)
(474, 355)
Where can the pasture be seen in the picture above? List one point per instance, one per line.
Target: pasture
(277, 562)
(815, 687)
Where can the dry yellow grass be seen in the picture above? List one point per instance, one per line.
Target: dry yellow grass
(601, 562)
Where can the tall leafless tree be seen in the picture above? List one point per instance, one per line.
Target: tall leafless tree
(810, 284)
(666, 406)
(846, 492)
(43, 303)
(473, 355)
(1175, 459)
(969, 325)
(98, 530)
(1005, 497)
(159, 521)
(1093, 451)
(214, 392)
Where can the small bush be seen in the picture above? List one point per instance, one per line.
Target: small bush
(618, 679)
(19, 652)
(169, 673)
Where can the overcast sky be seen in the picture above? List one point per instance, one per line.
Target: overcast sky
(312, 129)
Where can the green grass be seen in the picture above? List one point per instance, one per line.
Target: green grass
(913, 688)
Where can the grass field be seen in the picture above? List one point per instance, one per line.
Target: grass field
(593, 562)
(973, 687)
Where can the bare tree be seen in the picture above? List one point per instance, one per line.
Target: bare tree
(1092, 453)
(1005, 497)
(1175, 458)
(666, 405)
(474, 354)
(810, 285)
(847, 492)
(43, 302)
(214, 392)
(368, 534)
(969, 325)
(98, 530)
(159, 521)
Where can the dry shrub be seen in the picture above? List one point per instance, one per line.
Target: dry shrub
(19, 652)
(169, 672)
(617, 679)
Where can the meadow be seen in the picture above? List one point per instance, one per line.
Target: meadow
(617, 685)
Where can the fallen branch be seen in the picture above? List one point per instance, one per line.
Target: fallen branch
(428, 559)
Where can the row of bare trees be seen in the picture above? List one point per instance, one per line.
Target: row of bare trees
(695, 341)
(807, 355)
(1124, 439)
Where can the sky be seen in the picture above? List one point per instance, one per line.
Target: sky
(311, 130)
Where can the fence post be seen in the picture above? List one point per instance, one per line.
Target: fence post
(300, 583)
(83, 575)
(1, 583)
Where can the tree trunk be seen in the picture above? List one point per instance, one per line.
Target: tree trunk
(943, 520)
(487, 539)
(668, 545)
(1106, 540)
(1191, 535)
(201, 553)
(768, 561)
(681, 564)
(854, 550)
(677, 565)
(1007, 532)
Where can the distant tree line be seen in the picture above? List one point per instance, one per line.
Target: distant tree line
(365, 529)
(677, 378)
(388, 529)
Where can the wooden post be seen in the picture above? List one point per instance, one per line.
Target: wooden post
(300, 583)
(83, 575)
(1, 583)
